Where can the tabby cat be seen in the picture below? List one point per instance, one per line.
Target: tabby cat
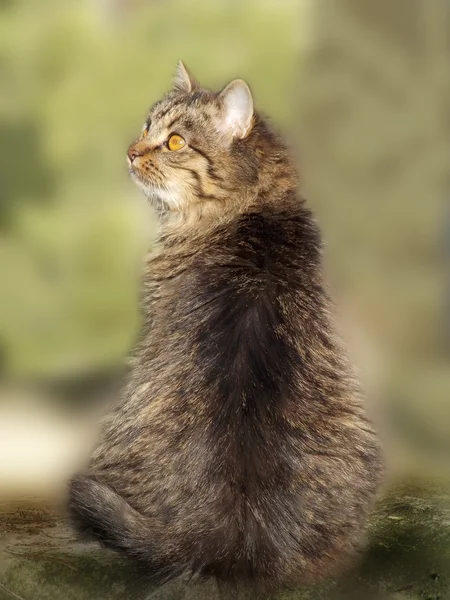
(240, 448)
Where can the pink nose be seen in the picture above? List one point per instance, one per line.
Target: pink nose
(134, 151)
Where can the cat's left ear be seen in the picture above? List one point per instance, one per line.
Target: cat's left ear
(237, 109)
(183, 80)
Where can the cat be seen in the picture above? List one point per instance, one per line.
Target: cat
(240, 448)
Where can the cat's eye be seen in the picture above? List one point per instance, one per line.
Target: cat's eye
(175, 142)
(145, 133)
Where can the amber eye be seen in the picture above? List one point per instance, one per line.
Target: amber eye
(145, 133)
(175, 142)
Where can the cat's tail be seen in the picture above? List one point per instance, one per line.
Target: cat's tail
(98, 512)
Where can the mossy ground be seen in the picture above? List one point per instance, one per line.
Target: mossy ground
(407, 557)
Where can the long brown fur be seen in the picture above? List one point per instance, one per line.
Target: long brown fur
(240, 448)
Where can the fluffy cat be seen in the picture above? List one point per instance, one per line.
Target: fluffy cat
(240, 448)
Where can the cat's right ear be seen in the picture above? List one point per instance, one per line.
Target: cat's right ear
(183, 80)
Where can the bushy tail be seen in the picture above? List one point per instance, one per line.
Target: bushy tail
(98, 511)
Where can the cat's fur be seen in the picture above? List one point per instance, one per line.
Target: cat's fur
(240, 448)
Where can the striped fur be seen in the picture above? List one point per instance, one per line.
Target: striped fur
(240, 448)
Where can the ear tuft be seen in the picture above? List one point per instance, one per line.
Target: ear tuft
(237, 102)
(183, 80)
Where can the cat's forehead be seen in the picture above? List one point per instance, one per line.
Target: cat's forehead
(191, 109)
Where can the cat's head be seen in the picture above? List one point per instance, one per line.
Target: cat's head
(195, 146)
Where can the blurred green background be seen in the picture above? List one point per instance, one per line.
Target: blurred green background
(76, 81)
(360, 88)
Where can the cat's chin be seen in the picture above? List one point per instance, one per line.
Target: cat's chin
(163, 198)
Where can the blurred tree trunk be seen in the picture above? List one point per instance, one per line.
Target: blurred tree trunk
(375, 113)
(374, 104)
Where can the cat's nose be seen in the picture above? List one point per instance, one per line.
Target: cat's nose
(134, 151)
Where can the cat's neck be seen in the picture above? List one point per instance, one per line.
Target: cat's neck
(277, 171)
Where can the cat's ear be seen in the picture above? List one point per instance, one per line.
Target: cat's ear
(183, 80)
(237, 109)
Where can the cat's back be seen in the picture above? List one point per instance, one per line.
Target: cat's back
(242, 429)
(276, 241)
(261, 254)
(220, 300)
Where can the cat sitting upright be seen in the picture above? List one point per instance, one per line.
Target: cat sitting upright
(240, 448)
